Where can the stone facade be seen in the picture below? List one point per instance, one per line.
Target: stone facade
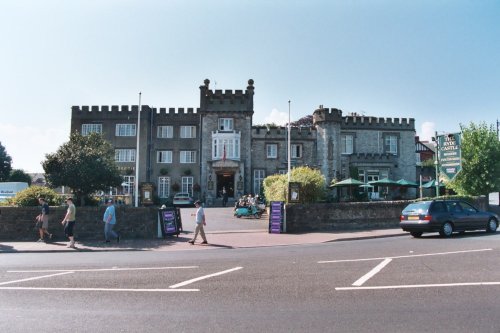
(216, 145)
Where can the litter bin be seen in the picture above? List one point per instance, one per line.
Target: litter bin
(171, 222)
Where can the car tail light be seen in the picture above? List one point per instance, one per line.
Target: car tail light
(427, 218)
(402, 218)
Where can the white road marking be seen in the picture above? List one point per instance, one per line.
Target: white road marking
(204, 277)
(371, 273)
(399, 257)
(34, 278)
(95, 289)
(464, 284)
(105, 269)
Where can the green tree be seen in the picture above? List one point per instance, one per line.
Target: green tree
(85, 164)
(5, 164)
(306, 121)
(18, 175)
(480, 172)
(312, 185)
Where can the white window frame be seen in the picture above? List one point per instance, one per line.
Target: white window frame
(391, 144)
(347, 142)
(128, 185)
(125, 155)
(164, 156)
(187, 184)
(163, 187)
(165, 132)
(91, 128)
(296, 150)
(188, 132)
(258, 177)
(188, 156)
(125, 130)
(226, 124)
(272, 150)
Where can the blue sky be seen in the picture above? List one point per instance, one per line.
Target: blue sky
(435, 61)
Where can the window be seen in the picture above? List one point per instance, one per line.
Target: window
(347, 144)
(258, 177)
(187, 185)
(225, 124)
(125, 130)
(91, 128)
(272, 150)
(231, 147)
(128, 184)
(188, 132)
(282, 171)
(188, 156)
(125, 155)
(163, 187)
(165, 132)
(164, 156)
(391, 144)
(296, 151)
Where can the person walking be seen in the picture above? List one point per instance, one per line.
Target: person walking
(224, 196)
(109, 220)
(43, 221)
(69, 222)
(200, 222)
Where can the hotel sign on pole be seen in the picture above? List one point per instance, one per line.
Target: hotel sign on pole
(450, 155)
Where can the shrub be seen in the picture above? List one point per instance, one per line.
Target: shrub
(29, 197)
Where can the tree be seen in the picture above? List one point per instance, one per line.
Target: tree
(312, 185)
(18, 175)
(85, 164)
(306, 121)
(480, 172)
(5, 164)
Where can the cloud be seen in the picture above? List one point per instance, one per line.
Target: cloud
(28, 145)
(277, 117)
(427, 131)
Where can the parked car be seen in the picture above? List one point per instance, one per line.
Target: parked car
(445, 217)
(183, 199)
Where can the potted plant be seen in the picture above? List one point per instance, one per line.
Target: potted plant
(164, 171)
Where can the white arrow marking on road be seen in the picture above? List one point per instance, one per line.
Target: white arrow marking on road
(371, 273)
(204, 277)
(34, 278)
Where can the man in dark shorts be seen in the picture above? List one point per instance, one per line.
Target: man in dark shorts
(69, 222)
(43, 219)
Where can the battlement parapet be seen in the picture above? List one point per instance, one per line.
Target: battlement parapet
(372, 156)
(279, 131)
(378, 122)
(132, 109)
(322, 114)
(178, 111)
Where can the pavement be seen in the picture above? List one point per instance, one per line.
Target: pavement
(223, 239)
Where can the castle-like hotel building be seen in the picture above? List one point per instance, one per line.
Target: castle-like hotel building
(202, 150)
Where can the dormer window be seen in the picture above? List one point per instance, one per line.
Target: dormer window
(226, 124)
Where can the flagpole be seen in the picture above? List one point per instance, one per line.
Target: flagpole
(289, 144)
(138, 132)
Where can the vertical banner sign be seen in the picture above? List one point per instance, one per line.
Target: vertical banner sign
(169, 221)
(450, 155)
(276, 217)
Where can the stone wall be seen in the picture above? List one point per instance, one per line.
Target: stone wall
(17, 223)
(349, 215)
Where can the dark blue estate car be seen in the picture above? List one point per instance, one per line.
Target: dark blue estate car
(445, 217)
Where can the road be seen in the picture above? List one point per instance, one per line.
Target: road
(397, 284)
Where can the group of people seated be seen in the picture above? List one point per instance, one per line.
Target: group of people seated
(246, 201)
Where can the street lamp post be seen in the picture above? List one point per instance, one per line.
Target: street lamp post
(138, 132)
(436, 163)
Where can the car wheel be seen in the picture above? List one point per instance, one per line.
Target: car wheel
(492, 225)
(416, 234)
(446, 229)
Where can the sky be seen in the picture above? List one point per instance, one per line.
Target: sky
(435, 61)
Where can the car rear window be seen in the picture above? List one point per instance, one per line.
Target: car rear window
(417, 208)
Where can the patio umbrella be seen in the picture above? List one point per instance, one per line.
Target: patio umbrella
(407, 183)
(384, 181)
(432, 184)
(350, 183)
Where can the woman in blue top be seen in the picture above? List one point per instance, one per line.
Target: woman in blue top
(109, 220)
